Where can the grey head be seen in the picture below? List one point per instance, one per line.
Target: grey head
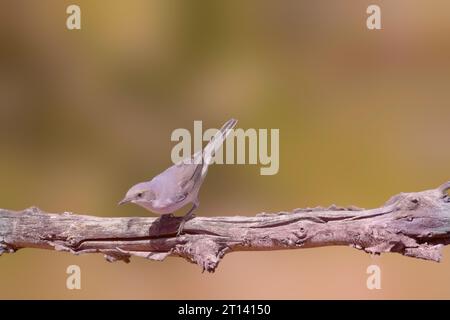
(141, 194)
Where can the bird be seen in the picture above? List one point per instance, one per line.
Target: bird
(179, 184)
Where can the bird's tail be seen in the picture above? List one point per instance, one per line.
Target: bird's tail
(217, 141)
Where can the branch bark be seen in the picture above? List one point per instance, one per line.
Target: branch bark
(413, 224)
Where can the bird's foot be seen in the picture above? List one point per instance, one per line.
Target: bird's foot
(180, 228)
(186, 218)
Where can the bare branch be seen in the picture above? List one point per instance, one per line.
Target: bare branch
(413, 224)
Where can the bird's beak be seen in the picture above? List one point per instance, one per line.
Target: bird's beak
(123, 201)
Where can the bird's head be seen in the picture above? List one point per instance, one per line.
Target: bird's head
(140, 193)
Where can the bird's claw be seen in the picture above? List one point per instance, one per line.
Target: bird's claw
(187, 217)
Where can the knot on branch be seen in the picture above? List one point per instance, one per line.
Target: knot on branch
(429, 199)
(205, 252)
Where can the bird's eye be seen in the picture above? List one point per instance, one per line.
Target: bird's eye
(139, 195)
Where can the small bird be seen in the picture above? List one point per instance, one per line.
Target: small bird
(178, 185)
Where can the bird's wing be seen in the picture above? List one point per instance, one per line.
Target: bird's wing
(179, 197)
(185, 176)
(188, 174)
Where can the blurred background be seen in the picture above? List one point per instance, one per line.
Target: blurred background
(363, 115)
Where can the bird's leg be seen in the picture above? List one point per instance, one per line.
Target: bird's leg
(187, 217)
